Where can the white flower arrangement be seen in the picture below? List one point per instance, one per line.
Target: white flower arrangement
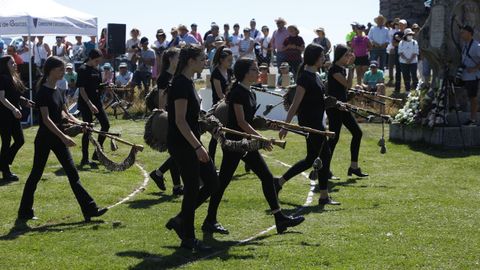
(408, 113)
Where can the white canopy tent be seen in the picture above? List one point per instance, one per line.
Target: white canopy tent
(43, 18)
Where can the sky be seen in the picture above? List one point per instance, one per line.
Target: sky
(148, 16)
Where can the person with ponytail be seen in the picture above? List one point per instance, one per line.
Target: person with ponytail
(185, 146)
(11, 90)
(220, 80)
(309, 106)
(51, 137)
(338, 85)
(242, 105)
(89, 103)
(169, 64)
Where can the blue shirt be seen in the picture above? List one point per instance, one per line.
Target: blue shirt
(379, 35)
(472, 59)
(372, 79)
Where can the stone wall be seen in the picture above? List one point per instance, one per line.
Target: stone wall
(411, 10)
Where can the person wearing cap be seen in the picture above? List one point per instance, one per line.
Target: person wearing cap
(379, 38)
(471, 70)
(373, 81)
(323, 41)
(285, 72)
(234, 44)
(295, 46)
(210, 39)
(408, 51)
(278, 38)
(124, 77)
(352, 34)
(132, 47)
(361, 46)
(194, 32)
(397, 37)
(71, 78)
(219, 42)
(247, 45)
(145, 59)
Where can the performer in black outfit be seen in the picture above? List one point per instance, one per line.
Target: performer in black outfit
(185, 147)
(242, 105)
(50, 137)
(11, 89)
(89, 103)
(309, 105)
(338, 85)
(220, 80)
(169, 64)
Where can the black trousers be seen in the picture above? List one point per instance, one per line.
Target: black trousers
(192, 170)
(212, 149)
(229, 164)
(44, 143)
(398, 71)
(338, 118)
(169, 164)
(10, 128)
(87, 116)
(314, 150)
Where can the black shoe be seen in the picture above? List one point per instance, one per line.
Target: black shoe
(333, 177)
(158, 180)
(25, 217)
(10, 177)
(283, 222)
(357, 172)
(329, 200)
(92, 165)
(173, 224)
(214, 228)
(276, 184)
(177, 191)
(195, 245)
(95, 213)
(95, 156)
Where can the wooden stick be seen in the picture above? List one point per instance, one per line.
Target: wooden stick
(260, 89)
(329, 134)
(356, 91)
(137, 146)
(278, 143)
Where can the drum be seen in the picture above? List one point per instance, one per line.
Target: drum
(220, 111)
(156, 130)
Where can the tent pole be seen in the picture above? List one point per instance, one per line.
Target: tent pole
(30, 79)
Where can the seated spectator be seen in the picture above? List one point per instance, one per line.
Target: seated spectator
(71, 78)
(373, 80)
(107, 74)
(285, 77)
(263, 77)
(123, 77)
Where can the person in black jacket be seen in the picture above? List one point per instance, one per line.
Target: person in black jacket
(11, 89)
(185, 146)
(89, 102)
(242, 104)
(51, 137)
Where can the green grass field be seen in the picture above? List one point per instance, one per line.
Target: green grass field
(418, 209)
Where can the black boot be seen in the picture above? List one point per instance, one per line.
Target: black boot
(329, 200)
(94, 213)
(283, 222)
(175, 224)
(214, 227)
(8, 175)
(357, 172)
(177, 191)
(159, 180)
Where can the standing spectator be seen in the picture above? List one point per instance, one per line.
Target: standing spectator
(361, 45)
(247, 45)
(102, 44)
(41, 52)
(219, 42)
(265, 52)
(2, 47)
(278, 38)
(209, 31)
(294, 47)
(379, 38)
(323, 41)
(408, 52)
(184, 37)
(12, 51)
(132, 47)
(235, 44)
(471, 72)
(90, 45)
(397, 38)
(254, 33)
(59, 49)
(392, 29)
(24, 50)
(352, 34)
(226, 35)
(159, 46)
(210, 39)
(196, 34)
(174, 41)
(146, 59)
(78, 52)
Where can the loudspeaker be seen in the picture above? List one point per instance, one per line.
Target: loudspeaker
(116, 38)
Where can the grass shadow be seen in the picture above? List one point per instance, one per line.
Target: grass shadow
(147, 203)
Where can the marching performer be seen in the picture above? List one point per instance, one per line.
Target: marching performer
(242, 105)
(89, 102)
(309, 105)
(169, 64)
(50, 137)
(185, 147)
(338, 85)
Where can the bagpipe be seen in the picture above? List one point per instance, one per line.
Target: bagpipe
(73, 129)
(374, 94)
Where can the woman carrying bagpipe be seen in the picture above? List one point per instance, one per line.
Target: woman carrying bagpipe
(185, 147)
(242, 105)
(220, 80)
(51, 137)
(89, 101)
(11, 90)
(309, 105)
(169, 64)
(338, 85)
